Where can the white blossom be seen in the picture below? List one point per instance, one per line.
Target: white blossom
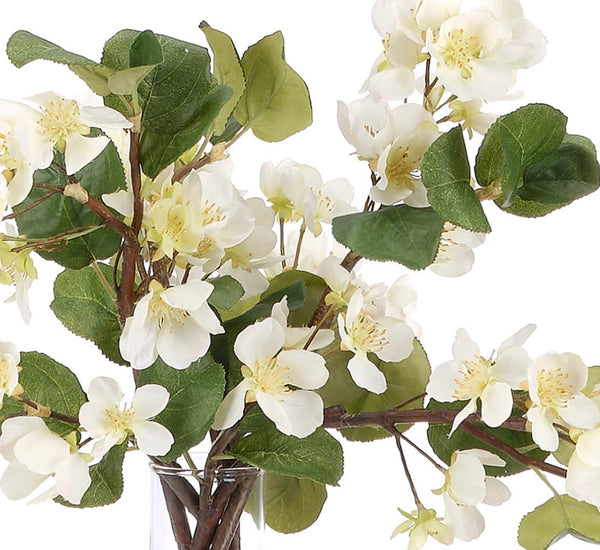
(174, 323)
(479, 52)
(35, 454)
(455, 254)
(62, 124)
(471, 377)
(389, 338)
(271, 376)
(367, 126)
(556, 382)
(423, 523)
(105, 419)
(399, 164)
(466, 486)
(583, 471)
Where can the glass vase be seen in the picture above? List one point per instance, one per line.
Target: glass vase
(196, 509)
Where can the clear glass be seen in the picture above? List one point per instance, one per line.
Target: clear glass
(185, 517)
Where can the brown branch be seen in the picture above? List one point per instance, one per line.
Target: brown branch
(337, 417)
(497, 443)
(131, 247)
(177, 515)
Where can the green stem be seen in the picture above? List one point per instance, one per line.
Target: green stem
(103, 281)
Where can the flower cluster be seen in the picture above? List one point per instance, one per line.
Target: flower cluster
(237, 317)
(470, 57)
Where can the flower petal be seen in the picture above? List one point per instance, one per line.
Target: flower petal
(542, 429)
(152, 438)
(305, 369)
(81, 150)
(366, 374)
(442, 382)
(149, 400)
(18, 481)
(588, 447)
(464, 349)
(180, 345)
(496, 403)
(104, 392)
(298, 413)
(259, 342)
(580, 412)
(232, 407)
(41, 452)
(72, 478)
(496, 492)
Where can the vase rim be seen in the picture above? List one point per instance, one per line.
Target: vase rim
(199, 458)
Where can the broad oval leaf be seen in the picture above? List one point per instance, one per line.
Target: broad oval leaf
(410, 236)
(566, 174)
(515, 141)
(446, 173)
(292, 504)
(24, 47)
(53, 385)
(276, 103)
(228, 72)
(317, 457)
(83, 305)
(195, 394)
(560, 516)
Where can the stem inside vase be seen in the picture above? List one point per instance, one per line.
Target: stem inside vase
(190, 513)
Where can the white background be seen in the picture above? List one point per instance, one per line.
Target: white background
(543, 271)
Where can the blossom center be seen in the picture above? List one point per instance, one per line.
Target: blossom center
(269, 377)
(459, 51)
(554, 388)
(163, 313)
(400, 167)
(475, 375)
(367, 334)
(118, 421)
(60, 118)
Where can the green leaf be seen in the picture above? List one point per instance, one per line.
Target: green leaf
(145, 50)
(84, 306)
(53, 385)
(560, 516)
(292, 504)
(406, 379)
(195, 394)
(318, 457)
(24, 47)
(275, 103)
(107, 481)
(446, 173)
(515, 141)
(57, 214)
(314, 287)
(145, 53)
(226, 293)
(158, 149)
(444, 446)
(564, 175)
(174, 95)
(407, 235)
(227, 70)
